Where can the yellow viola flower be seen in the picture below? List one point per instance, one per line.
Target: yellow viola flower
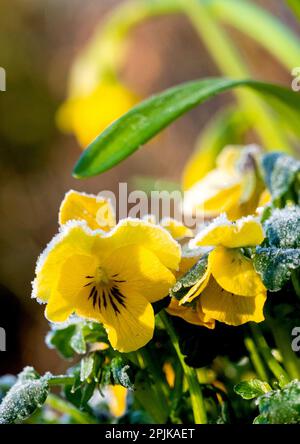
(193, 313)
(229, 290)
(117, 400)
(232, 187)
(89, 114)
(111, 278)
(177, 229)
(95, 210)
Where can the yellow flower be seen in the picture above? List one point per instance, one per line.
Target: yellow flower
(95, 210)
(89, 114)
(232, 187)
(117, 397)
(177, 229)
(229, 290)
(111, 278)
(193, 314)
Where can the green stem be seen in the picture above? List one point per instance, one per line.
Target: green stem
(228, 59)
(283, 343)
(149, 396)
(296, 283)
(67, 408)
(256, 359)
(190, 374)
(61, 380)
(279, 373)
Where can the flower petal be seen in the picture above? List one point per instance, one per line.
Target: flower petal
(71, 289)
(234, 272)
(95, 210)
(247, 231)
(230, 308)
(193, 315)
(176, 228)
(138, 232)
(74, 238)
(140, 272)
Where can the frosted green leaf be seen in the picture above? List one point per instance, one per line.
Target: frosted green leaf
(280, 406)
(29, 393)
(283, 227)
(87, 367)
(122, 373)
(275, 265)
(281, 173)
(190, 278)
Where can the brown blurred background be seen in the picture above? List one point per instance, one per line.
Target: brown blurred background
(38, 41)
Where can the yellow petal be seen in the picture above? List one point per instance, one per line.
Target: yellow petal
(95, 210)
(234, 272)
(199, 164)
(247, 231)
(138, 232)
(70, 291)
(265, 198)
(74, 238)
(230, 308)
(228, 158)
(141, 272)
(89, 114)
(117, 396)
(192, 315)
(128, 330)
(176, 228)
(212, 195)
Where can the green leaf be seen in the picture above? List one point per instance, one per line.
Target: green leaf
(275, 265)
(25, 396)
(77, 341)
(280, 406)
(281, 175)
(87, 367)
(280, 253)
(282, 228)
(183, 284)
(75, 337)
(122, 372)
(261, 26)
(60, 340)
(252, 389)
(148, 118)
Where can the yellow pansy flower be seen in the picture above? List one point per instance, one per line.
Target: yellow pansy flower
(231, 187)
(177, 229)
(193, 314)
(230, 290)
(111, 278)
(95, 210)
(117, 400)
(87, 115)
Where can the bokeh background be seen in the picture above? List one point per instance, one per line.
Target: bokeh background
(38, 41)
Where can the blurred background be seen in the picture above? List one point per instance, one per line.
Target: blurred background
(38, 42)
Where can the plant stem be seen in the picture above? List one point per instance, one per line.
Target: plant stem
(66, 407)
(228, 59)
(283, 342)
(149, 396)
(296, 283)
(190, 374)
(61, 380)
(279, 373)
(256, 359)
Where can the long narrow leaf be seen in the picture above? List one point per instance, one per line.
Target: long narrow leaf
(149, 117)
